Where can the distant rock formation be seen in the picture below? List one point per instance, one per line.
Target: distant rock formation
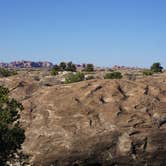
(117, 67)
(27, 64)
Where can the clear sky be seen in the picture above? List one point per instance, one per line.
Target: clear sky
(103, 32)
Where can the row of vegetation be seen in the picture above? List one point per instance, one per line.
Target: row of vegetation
(4, 72)
(11, 135)
(79, 76)
(75, 76)
(70, 67)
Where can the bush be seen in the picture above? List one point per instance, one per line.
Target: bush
(6, 72)
(147, 72)
(11, 135)
(54, 72)
(89, 68)
(156, 67)
(74, 77)
(113, 75)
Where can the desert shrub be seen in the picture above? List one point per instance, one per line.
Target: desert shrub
(55, 69)
(147, 72)
(11, 135)
(156, 67)
(113, 75)
(54, 72)
(77, 77)
(6, 72)
(89, 68)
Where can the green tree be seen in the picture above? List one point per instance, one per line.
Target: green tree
(11, 135)
(62, 66)
(156, 67)
(89, 68)
(113, 75)
(71, 67)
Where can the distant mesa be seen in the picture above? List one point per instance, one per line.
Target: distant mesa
(116, 67)
(32, 64)
(27, 64)
(47, 64)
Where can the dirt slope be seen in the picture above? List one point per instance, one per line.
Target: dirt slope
(96, 122)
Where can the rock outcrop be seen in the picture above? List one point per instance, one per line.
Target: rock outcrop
(95, 122)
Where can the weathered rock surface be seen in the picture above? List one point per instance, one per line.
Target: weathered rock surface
(96, 122)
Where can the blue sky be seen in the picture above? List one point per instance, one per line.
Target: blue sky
(103, 32)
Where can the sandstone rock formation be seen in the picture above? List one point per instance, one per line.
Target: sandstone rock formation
(95, 122)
